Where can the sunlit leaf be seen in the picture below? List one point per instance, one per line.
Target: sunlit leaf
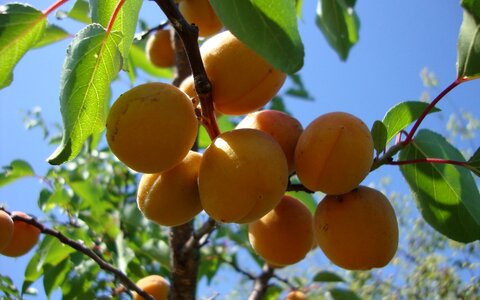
(379, 134)
(306, 198)
(16, 170)
(80, 12)
(53, 34)
(139, 59)
(469, 40)
(327, 276)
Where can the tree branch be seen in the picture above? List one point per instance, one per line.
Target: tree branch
(204, 231)
(261, 283)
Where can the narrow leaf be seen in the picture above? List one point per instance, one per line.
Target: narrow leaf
(474, 162)
(326, 276)
(379, 134)
(21, 27)
(402, 115)
(446, 195)
(339, 24)
(343, 294)
(53, 34)
(469, 41)
(16, 170)
(93, 60)
(268, 27)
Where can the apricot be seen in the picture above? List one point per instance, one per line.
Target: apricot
(6, 229)
(296, 295)
(152, 127)
(159, 49)
(284, 235)
(334, 153)
(284, 128)
(171, 198)
(358, 230)
(242, 81)
(155, 285)
(201, 13)
(24, 238)
(243, 175)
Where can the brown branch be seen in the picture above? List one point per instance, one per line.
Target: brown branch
(298, 187)
(286, 281)
(142, 35)
(87, 251)
(260, 286)
(195, 240)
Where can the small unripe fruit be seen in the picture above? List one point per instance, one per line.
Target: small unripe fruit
(334, 153)
(155, 285)
(358, 230)
(151, 127)
(201, 13)
(6, 229)
(159, 49)
(243, 175)
(171, 198)
(296, 295)
(24, 238)
(285, 235)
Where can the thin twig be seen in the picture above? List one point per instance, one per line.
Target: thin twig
(142, 35)
(204, 231)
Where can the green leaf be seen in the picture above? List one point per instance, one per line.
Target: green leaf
(446, 195)
(379, 134)
(306, 198)
(138, 58)
(326, 276)
(125, 21)
(298, 90)
(339, 24)
(474, 162)
(53, 34)
(343, 294)
(224, 124)
(16, 170)
(54, 275)
(92, 61)
(80, 12)
(468, 64)
(402, 115)
(21, 27)
(268, 27)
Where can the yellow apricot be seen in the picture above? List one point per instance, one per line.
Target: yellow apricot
(242, 81)
(24, 238)
(151, 127)
(284, 128)
(243, 175)
(6, 229)
(159, 49)
(284, 235)
(334, 153)
(358, 230)
(201, 13)
(155, 285)
(171, 198)
(296, 295)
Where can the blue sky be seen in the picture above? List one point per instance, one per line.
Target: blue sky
(397, 40)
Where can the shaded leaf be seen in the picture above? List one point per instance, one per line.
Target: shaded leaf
(21, 27)
(92, 61)
(277, 103)
(298, 90)
(474, 162)
(54, 275)
(468, 64)
(402, 115)
(446, 195)
(343, 294)
(326, 276)
(379, 134)
(16, 170)
(53, 34)
(268, 27)
(339, 24)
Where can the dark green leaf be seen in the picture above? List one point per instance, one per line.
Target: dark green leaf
(298, 90)
(139, 59)
(21, 27)
(53, 34)
(54, 275)
(469, 41)
(446, 195)
(92, 61)
(474, 162)
(402, 115)
(268, 27)
(8, 288)
(16, 170)
(379, 134)
(339, 24)
(80, 12)
(343, 294)
(277, 103)
(326, 276)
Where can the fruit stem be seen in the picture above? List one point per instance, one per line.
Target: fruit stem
(114, 15)
(53, 7)
(430, 160)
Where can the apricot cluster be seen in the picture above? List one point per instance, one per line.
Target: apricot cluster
(16, 237)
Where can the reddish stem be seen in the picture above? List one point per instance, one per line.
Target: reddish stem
(429, 160)
(114, 15)
(54, 7)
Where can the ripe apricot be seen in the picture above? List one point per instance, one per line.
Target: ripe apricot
(284, 235)
(171, 198)
(334, 153)
(6, 229)
(284, 128)
(151, 127)
(155, 285)
(358, 230)
(24, 237)
(296, 295)
(159, 49)
(201, 13)
(243, 175)
(242, 81)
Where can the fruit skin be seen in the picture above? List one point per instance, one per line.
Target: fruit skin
(296, 295)
(152, 127)
(159, 49)
(201, 13)
(334, 153)
(155, 285)
(6, 229)
(284, 128)
(242, 81)
(171, 198)
(284, 235)
(25, 237)
(358, 230)
(243, 175)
